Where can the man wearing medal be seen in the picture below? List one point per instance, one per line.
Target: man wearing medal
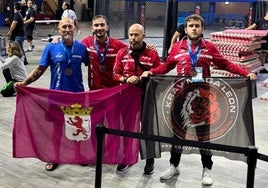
(65, 60)
(102, 51)
(129, 65)
(192, 56)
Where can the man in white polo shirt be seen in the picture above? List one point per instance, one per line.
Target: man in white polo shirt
(69, 13)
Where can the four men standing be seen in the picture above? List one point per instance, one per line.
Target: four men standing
(129, 65)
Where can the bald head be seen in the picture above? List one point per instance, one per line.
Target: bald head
(66, 29)
(136, 35)
(65, 21)
(136, 27)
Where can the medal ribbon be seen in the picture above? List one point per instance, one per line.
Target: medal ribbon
(101, 56)
(68, 53)
(193, 55)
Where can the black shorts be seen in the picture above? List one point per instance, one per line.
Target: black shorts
(29, 37)
(29, 34)
(264, 46)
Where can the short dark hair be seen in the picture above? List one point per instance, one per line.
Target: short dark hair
(17, 6)
(67, 5)
(194, 17)
(100, 16)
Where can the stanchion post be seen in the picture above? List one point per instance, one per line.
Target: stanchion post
(100, 138)
(252, 161)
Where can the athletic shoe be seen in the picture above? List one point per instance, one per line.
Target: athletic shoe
(172, 171)
(207, 178)
(29, 50)
(84, 164)
(122, 167)
(263, 71)
(149, 167)
(51, 166)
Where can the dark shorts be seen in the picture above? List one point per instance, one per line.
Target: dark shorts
(264, 46)
(29, 35)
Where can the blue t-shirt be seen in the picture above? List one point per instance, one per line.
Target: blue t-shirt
(65, 65)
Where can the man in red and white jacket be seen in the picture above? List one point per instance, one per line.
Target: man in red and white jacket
(130, 63)
(189, 56)
(207, 53)
(102, 52)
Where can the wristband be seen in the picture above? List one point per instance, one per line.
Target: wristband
(125, 79)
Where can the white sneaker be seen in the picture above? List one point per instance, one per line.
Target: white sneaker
(170, 172)
(207, 178)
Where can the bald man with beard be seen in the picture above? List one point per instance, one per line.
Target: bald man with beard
(130, 63)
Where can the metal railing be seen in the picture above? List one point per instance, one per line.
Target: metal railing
(251, 151)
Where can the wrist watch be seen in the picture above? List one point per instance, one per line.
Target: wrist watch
(125, 79)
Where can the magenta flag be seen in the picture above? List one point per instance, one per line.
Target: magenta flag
(59, 126)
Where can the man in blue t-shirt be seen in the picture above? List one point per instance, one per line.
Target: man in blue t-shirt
(65, 60)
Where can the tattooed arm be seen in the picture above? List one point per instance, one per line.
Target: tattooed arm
(33, 76)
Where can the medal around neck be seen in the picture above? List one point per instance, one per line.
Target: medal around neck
(197, 74)
(68, 71)
(193, 73)
(100, 55)
(102, 68)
